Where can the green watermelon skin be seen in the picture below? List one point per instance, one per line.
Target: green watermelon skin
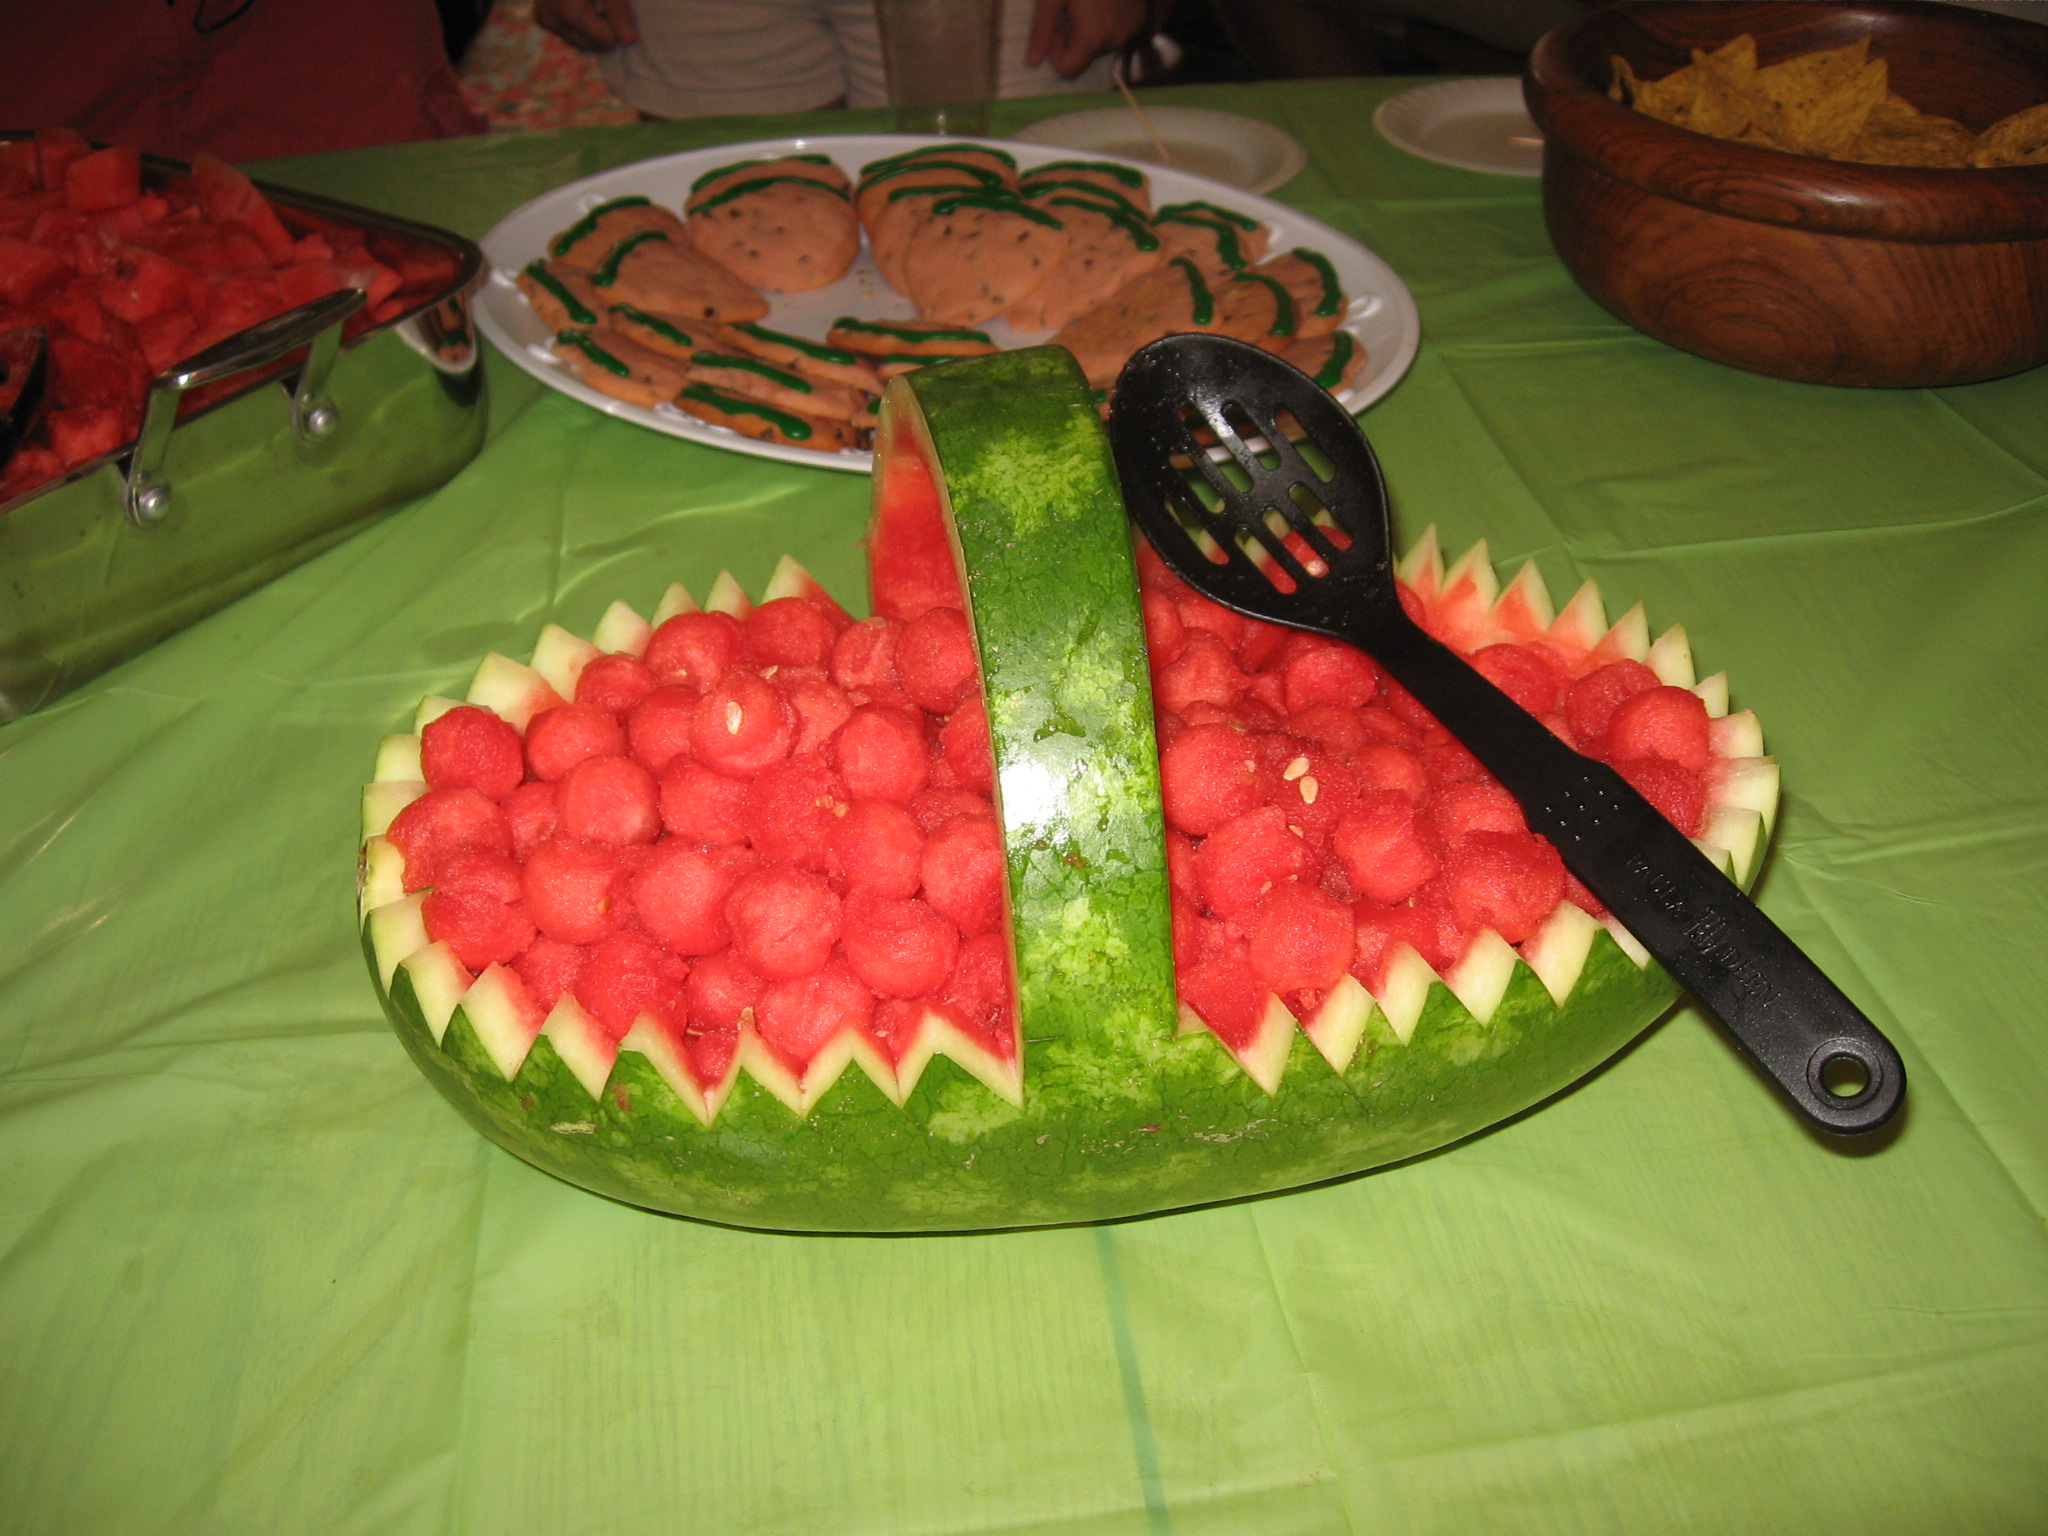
(1108, 1128)
(1123, 1112)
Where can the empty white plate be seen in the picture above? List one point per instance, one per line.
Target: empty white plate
(1238, 151)
(1477, 125)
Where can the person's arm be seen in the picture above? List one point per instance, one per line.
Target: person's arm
(1074, 33)
(590, 26)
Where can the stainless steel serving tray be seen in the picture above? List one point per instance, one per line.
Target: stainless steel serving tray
(271, 465)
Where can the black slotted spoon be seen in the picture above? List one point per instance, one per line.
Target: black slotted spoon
(1834, 1065)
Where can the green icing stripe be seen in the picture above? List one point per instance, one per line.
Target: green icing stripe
(944, 189)
(981, 174)
(1283, 318)
(1037, 189)
(608, 274)
(1005, 204)
(740, 165)
(1342, 345)
(587, 225)
(823, 354)
(1198, 291)
(753, 365)
(1227, 249)
(760, 184)
(793, 427)
(554, 285)
(929, 150)
(590, 349)
(1123, 173)
(1129, 223)
(1333, 291)
(1243, 221)
(654, 323)
(908, 332)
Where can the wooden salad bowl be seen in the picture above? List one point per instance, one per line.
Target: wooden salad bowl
(1801, 268)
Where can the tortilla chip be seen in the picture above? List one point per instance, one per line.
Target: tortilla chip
(1816, 104)
(2021, 139)
(1899, 133)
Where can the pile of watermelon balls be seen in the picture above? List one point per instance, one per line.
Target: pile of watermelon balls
(127, 276)
(789, 815)
(792, 815)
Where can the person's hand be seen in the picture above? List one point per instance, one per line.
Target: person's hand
(1074, 33)
(589, 26)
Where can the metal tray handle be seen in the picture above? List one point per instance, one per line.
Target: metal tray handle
(319, 321)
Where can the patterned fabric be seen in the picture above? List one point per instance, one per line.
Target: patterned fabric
(523, 79)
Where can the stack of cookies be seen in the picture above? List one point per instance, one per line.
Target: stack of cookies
(656, 308)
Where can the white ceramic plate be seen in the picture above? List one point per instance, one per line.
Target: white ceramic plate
(1381, 314)
(1239, 151)
(1477, 125)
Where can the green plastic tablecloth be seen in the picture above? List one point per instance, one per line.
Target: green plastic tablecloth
(255, 1276)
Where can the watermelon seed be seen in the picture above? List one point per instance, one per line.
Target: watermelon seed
(733, 715)
(1308, 789)
(1295, 769)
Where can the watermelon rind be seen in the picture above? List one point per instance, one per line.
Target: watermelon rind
(1122, 1102)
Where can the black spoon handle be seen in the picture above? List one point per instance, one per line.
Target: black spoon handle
(1793, 1022)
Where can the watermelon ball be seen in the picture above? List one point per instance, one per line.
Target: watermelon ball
(788, 632)
(490, 873)
(979, 997)
(1471, 805)
(864, 657)
(1198, 612)
(1316, 792)
(798, 1017)
(874, 849)
(1525, 674)
(658, 729)
(1389, 769)
(439, 823)
(784, 922)
(1331, 727)
(679, 895)
(1229, 996)
(615, 683)
(626, 975)
(473, 747)
(968, 750)
(1261, 643)
(1209, 774)
(791, 810)
(549, 968)
(898, 946)
(694, 649)
(576, 893)
(880, 752)
(1679, 796)
(533, 816)
(1206, 672)
(742, 726)
(1590, 703)
(1329, 673)
(610, 800)
(1165, 636)
(962, 871)
(700, 806)
(1665, 722)
(1180, 862)
(1382, 850)
(935, 659)
(1507, 881)
(722, 994)
(821, 708)
(1301, 939)
(558, 739)
(480, 929)
(933, 808)
(1245, 858)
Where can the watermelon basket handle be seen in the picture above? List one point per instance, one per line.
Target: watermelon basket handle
(1215, 475)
